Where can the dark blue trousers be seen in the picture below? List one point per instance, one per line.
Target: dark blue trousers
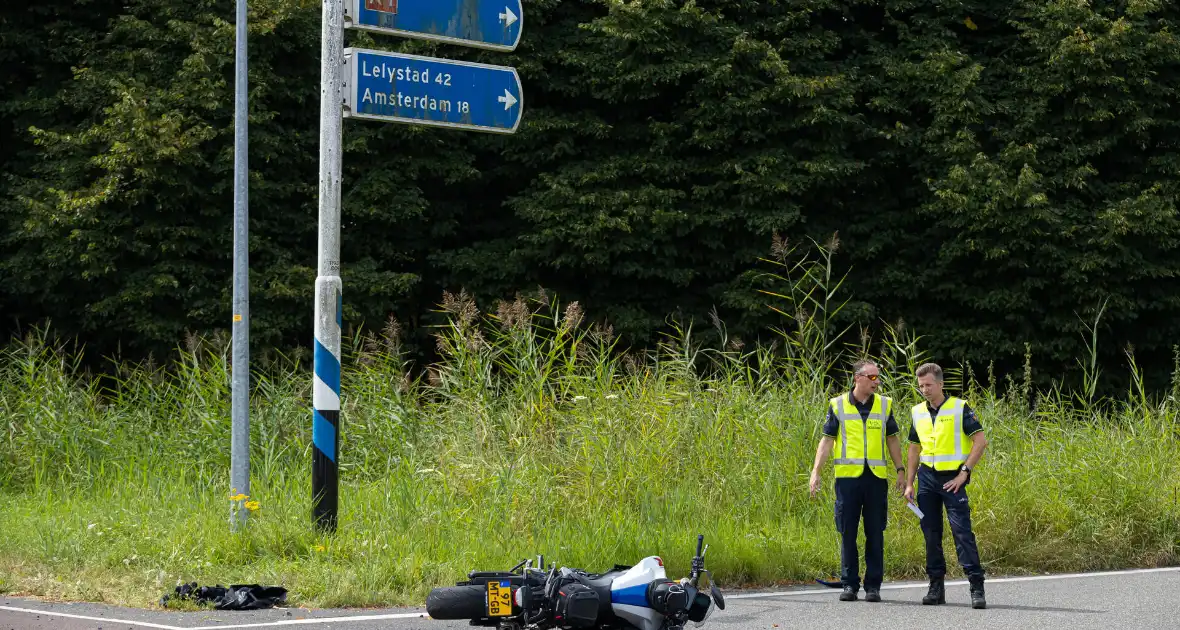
(932, 499)
(858, 498)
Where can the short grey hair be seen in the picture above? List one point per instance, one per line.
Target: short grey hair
(862, 364)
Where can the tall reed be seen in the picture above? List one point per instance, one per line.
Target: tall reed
(536, 433)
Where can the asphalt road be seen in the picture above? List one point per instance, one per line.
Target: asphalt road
(1145, 598)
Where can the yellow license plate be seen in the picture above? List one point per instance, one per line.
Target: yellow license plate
(499, 599)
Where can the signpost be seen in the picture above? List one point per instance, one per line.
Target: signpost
(400, 88)
(489, 24)
(396, 87)
(239, 463)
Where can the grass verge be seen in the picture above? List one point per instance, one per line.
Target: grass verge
(532, 436)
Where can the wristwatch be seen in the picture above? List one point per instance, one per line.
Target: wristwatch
(899, 469)
(965, 469)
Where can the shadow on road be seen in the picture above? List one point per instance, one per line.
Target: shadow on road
(1084, 611)
(906, 602)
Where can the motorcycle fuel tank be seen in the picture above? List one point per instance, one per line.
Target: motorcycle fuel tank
(628, 593)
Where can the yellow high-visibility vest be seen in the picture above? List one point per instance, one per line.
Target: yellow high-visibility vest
(944, 444)
(860, 441)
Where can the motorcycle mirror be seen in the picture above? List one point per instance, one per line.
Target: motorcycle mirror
(718, 598)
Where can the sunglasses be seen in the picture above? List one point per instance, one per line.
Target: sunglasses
(871, 377)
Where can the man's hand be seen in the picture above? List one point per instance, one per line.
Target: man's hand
(909, 492)
(955, 484)
(822, 452)
(900, 480)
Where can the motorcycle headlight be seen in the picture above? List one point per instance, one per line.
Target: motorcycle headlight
(701, 608)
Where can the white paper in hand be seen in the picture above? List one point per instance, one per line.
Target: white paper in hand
(913, 508)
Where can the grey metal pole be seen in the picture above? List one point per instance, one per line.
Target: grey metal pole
(326, 419)
(240, 404)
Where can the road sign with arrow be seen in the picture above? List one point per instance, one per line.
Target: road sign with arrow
(396, 87)
(490, 24)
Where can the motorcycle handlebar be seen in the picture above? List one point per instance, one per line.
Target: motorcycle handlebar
(698, 562)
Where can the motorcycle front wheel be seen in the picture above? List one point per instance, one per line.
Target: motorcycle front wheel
(457, 602)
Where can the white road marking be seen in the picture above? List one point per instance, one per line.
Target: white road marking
(104, 619)
(297, 622)
(160, 626)
(422, 615)
(1023, 578)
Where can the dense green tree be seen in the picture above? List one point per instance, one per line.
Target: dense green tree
(40, 47)
(995, 172)
(1041, 137)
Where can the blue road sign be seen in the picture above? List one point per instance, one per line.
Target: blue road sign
(491, 24)
(396, 87)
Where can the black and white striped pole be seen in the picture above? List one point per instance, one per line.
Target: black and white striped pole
(484, 98)
(328, 287)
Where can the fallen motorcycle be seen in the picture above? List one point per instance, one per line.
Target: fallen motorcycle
(639, 597)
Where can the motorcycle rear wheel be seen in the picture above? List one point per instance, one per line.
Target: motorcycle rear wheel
(457, 602)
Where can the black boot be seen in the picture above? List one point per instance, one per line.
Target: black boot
(936, 594)
(849, 594)
(977, 599)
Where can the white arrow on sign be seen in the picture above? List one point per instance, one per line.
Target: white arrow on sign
(508, 99)
(508, 16)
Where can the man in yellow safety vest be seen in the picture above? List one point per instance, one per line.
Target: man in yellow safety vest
(946, 442)
(859, 428)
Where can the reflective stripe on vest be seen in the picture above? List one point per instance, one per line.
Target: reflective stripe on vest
(932, 433)
(846, 412)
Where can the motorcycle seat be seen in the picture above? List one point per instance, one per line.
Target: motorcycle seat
(601, 585)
